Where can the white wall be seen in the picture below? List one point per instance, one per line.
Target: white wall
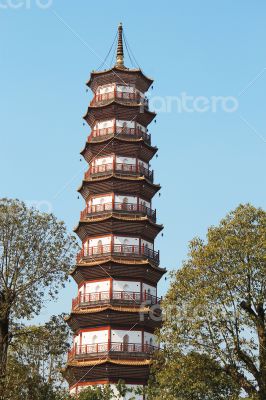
(125, 160)
(119, 122)
(144, 242)
(149, 336)
(119, 286)
(105, 88)
(130, 199)
(95, 337)
(100, 200)
(93, 287)
(143, 164)
(146, 203)
(130, 124)
(102, 160)
(118, 199)
(104, 124)
(130, 241)
(118, 335)
(141, 127)
(126, 89)
(147, 287)
(106, 240)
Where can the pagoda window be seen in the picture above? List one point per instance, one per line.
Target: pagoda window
(99, 247)
(97, 289)
(125, 342)
(125, 203)
(125, 287)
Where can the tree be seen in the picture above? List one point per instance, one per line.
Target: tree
(106, 392)
(35, 358)
(191, 376)
(36, 255)
(217, 301)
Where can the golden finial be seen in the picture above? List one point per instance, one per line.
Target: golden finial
(120, 51)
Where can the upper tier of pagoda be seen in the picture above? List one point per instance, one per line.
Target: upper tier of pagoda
(117, 74)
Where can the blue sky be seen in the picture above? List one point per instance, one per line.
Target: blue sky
(208, 162)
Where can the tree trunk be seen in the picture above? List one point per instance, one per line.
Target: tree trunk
(4, 341)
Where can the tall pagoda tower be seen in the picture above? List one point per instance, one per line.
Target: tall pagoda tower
(114, 315)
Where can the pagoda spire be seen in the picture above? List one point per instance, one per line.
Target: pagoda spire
(120, 51)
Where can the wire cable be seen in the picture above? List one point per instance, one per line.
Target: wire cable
(130, 52)
(104, 61)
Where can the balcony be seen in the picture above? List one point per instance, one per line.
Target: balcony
(126, 97)
(125, 208)
(118, 250)
(119, 168)
(119, 131)
(115, 349)
(107, 297)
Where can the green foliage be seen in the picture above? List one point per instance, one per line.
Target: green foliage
(35, 358)
(36, 255)
(191, 376)
(106, 392)
(216, 303)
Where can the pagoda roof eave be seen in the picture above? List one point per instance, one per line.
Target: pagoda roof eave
(153, 148)
(138, 107)
(115, 70)
(115, 261)
(158, 186)
(115, 216)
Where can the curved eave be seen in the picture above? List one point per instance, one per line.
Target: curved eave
(143, 269)
(125, 309)
(122, 316)
(137, 112)
(125, 178)
(114, 138)
(115, 70)
(109, 360)
(106, 368)
(114, 221)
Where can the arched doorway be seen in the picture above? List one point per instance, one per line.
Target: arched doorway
(94, 343)
(126, 247)
(125, 203)
(99, 247)
(125, 293)
(125, 342)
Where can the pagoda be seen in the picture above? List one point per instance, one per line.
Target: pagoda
(114, 315)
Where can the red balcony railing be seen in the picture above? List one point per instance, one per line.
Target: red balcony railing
(84, 299)
(119, 131)
(121, 168)
(92, 350)
(115, 94)
(121, 207)
(121, 250)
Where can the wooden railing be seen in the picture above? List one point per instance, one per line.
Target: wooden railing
(121, 168)
(123, 207)
(120, 250)
(107, 296)
(90, 350)
(119, 131)
(115, 94)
